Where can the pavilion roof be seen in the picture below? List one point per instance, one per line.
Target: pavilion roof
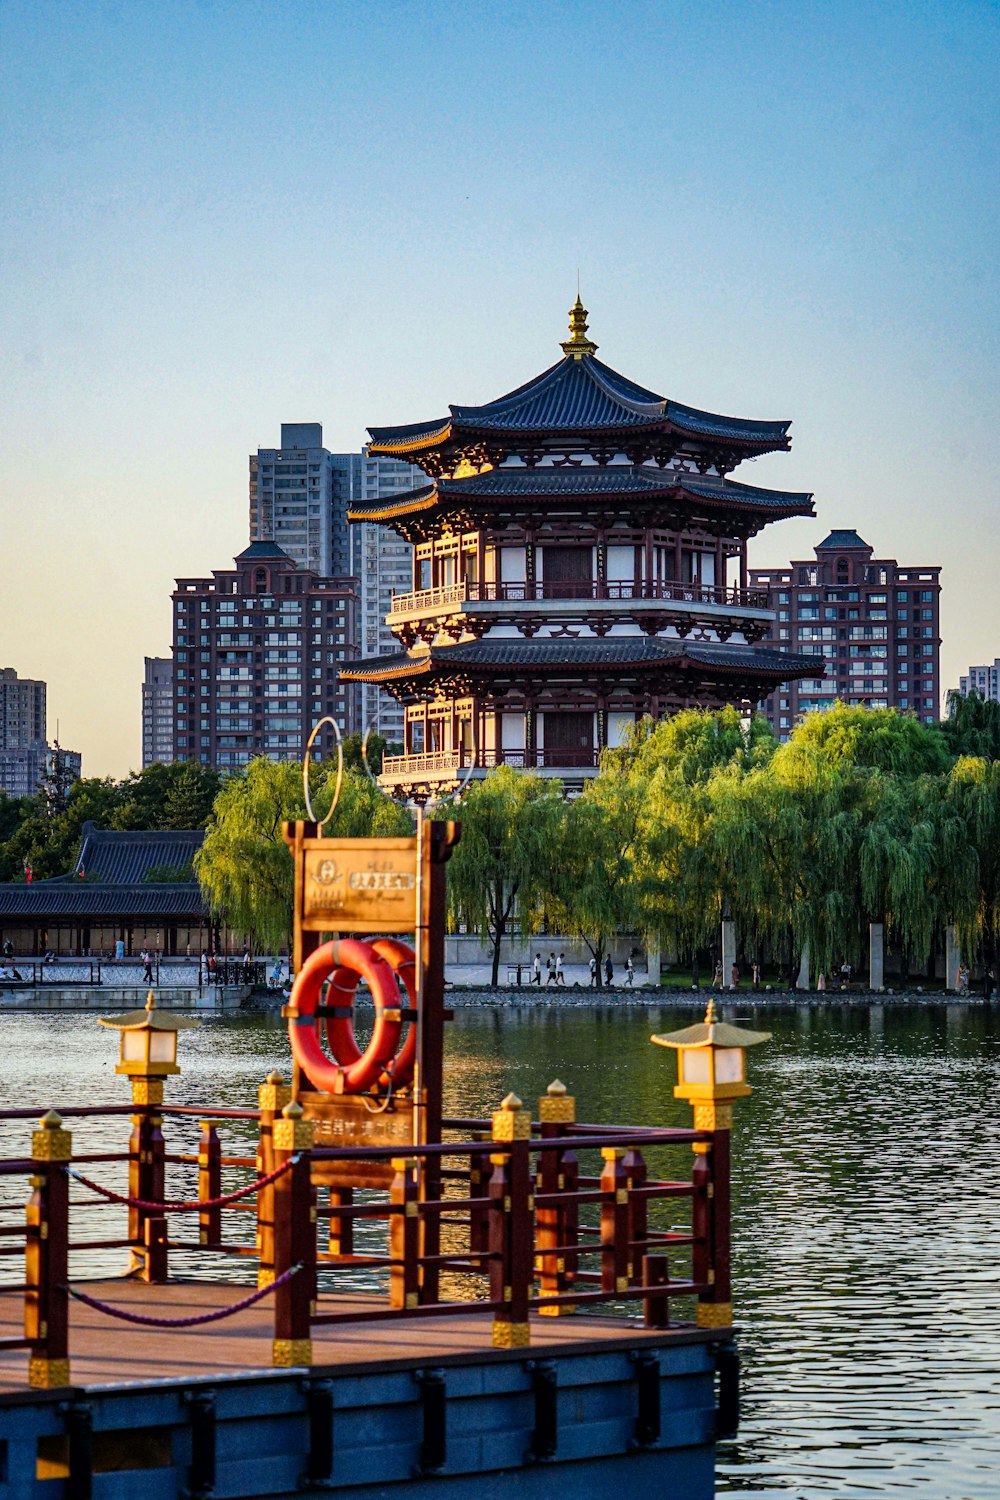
(80, 901)
(546, 483)
(582, 395)
(531, 657)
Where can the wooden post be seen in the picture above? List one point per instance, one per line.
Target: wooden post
(656, 1307)
(710, 1213)
(147, 1178)
(272, 1097)
(434, 845)
(479, 1218)
(404, 1233)
(637, 1212)
(294, 1239)
(209, 1185)
(615, 1267)
(340, 1231)
(555, 1226)
(511, 1226)
(46, 1255)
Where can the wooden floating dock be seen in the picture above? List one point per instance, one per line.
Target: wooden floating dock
(200, 1413)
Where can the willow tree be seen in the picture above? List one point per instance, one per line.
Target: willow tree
(969, 830)
(681, 862)
(501, 870)
(245, 868)
(594, 873)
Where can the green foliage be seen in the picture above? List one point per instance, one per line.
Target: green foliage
(180, 795)
(877, 737)
(169, 874)
(502, 867)
(972, 726)
(244, 866)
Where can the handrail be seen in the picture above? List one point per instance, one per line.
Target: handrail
(653, 591)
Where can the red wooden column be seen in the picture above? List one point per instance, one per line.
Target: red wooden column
(511, 1225)
(556, 1226)
(404, 1233)
(209, 1185)
(46, 1255)
(616, 1269)
(272, 1097)
(711, 1207)
(147, 1180)
(294, 1239)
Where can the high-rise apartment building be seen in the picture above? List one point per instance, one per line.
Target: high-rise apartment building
(158, 711)
(982, 680)
(22, 711)
(27, 760)
(298, 498)
(256, 652)
(382, 562)
(875, 622)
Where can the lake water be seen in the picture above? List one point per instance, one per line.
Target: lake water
(866, 1207)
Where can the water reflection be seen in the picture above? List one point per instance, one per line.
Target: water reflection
(866, 1198)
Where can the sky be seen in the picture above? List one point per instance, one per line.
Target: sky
(216, 217)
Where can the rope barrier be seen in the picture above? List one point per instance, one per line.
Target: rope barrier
(196, 1318)
(183, 1205)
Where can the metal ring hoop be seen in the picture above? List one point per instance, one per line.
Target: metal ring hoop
(322, 822)
(438, 802)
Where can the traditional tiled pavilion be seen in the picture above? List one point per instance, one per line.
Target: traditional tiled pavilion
(579, 561)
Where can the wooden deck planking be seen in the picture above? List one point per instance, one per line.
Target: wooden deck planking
(106, 1351)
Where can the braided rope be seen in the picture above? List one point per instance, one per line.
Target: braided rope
(196, 1318)
(184, 1205)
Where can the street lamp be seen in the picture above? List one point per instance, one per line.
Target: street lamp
(711, 1067)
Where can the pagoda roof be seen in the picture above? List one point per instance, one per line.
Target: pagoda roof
(505, 654)
(125, 857)
(580, 395)
(545, 483)
(263, 549)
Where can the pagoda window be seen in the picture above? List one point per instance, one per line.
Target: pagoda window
(424, 573)
(470, 567)
(619, 727)
(513, 564)
(572, 733)
(448, 571)
(562, 566)
(512, 731)
(415, 736)
(621, 564)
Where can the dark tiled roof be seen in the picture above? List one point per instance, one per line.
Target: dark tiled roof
(588, 396)
(843, 540)
(609, 651)
(126, 858)
(263, 550)
(81, 900)
(614, 479)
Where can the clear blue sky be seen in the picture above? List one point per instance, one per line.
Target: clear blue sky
(218, 217)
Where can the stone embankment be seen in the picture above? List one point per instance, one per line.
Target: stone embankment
(579, 997)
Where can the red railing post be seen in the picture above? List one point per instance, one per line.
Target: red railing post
(656, 1305)
(209, 1185)
(404, 1233)
(340, 1232)
(615, 1266)
(272, 1097)
(479, 1217)
(294, 1239)
(46, 1255)
(638, 1212)
(715, 1306)
(556, 1226)
(512, 1224)
(147, 1174)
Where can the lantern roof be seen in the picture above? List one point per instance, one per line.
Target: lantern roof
(711, 1033)
(148, 1019)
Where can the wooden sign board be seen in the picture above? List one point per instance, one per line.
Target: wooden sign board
(346, 1120)
(358, 885)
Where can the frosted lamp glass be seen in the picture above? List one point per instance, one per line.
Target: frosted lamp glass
(162, 1046)
(134, 1046)
(696, 1066)
(729, 1065)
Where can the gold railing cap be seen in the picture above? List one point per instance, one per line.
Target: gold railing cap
(274, 1077)
(293, 1110)
(51, 1120)
(511, 1102)
(556, 1088)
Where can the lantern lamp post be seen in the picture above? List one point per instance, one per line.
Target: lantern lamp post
(711, 1073)
(148, 1048)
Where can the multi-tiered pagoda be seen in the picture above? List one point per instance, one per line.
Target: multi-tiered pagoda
(579, 561)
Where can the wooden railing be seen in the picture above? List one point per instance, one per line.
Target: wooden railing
(504, 1218)
(462, 595)
(454, 762)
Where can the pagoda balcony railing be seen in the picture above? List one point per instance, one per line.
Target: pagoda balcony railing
(443, 763)
(461, 595)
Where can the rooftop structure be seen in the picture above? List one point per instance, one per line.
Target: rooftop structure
(875, 623)
(579, 561)
(982, 680)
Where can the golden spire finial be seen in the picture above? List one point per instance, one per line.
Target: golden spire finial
(710, 1014)
(578, 344)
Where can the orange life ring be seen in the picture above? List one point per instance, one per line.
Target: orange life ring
(403, 962)
(343, 962)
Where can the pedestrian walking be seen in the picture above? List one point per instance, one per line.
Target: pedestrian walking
(536, 968)
(593, 972)
(717, 976)
(756, 975)
(609, 970)
(734, 977)
(561, 969)
(629, 971)
(147, 973)
(550, 970)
